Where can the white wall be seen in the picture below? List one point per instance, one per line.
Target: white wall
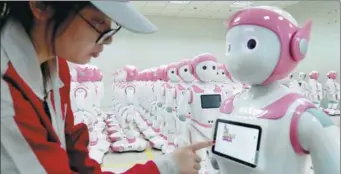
(180, 38)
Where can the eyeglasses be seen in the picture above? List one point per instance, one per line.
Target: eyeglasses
(103, 35)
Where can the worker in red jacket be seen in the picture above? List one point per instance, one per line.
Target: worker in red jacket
(38, 134)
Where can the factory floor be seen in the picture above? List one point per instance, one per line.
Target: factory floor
(120, 162)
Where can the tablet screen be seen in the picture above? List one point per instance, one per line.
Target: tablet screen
(237, 141)
(210, 101)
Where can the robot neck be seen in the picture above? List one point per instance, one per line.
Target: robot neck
(260, 90)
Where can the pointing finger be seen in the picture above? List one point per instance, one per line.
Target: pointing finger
(200, 145)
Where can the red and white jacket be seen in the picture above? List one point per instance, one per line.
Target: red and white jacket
(33, 141)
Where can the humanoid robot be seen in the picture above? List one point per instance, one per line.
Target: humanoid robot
(131, 141)
(185, 72)
(225, 81)
(203, 99)
(158, 141)
(271, 129)
(171, 106)
(332, 94)
(304, 86)
(315, 94)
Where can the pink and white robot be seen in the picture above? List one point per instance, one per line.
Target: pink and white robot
(204, 99)
(185, 72)
(303, 84)
(270, 130)
(172, 80)
(332, 94)
(158, 140)
(131, 141)
(315, 94)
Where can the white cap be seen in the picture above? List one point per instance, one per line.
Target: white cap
(122, 12)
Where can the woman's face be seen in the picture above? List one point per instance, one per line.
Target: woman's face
(77, 41)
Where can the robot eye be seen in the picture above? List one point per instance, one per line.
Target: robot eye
(213, 67)
(251, 44)
(185, 70)
(223, 73)
(172, 72)
(204, 67)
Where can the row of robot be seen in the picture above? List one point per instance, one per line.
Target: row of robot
(310, 87)
(263, 127)
(145, 102)
(86, 92)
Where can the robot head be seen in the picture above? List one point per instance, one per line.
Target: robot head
(314, 75)
(171, 72)
(160, 71)
(332, 75)
(84, 74)
(220, 73)
(205, 67)
(302, 76)
(227, 73)
(264, 44)
(130, 72)
(185, 70)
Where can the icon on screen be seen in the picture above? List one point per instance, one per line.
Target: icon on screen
(228, 136)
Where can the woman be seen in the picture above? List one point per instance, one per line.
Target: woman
(37, 128)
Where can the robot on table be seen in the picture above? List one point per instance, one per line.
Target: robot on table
(271, 130)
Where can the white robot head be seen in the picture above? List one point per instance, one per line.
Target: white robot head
(221, 77)
(171, 72)
(185, 70)
(302, 76)
(314, 75)
(332, 75)
(264, 44)
(205, 67)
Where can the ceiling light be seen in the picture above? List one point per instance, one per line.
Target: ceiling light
(241, 3)
(179, 2)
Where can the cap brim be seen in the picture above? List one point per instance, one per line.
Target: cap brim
(125, 15)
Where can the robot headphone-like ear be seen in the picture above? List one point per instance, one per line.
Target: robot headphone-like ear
(299, 42)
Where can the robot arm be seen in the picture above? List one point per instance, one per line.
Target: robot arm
(183, 105)
(318, 135)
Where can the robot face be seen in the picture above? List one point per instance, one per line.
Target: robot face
(221, 75)
(185, 73)
(252, 53)
(206, 70)
(172, 74)
(302, 76)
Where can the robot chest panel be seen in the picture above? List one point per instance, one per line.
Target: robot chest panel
(207, 101)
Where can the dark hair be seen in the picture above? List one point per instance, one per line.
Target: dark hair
(21, 12)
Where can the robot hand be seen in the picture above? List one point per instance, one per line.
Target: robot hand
(214, 163)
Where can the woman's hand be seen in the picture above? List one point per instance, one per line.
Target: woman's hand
(187, 161)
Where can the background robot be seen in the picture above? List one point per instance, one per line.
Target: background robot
(204, 99)
(332, 94)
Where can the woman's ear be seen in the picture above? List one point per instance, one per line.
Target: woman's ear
(40, 10)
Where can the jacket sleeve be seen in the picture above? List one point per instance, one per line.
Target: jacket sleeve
(24, 140)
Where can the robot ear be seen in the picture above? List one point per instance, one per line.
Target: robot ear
(299, 42)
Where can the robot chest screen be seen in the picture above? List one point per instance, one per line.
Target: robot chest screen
(210, 101)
